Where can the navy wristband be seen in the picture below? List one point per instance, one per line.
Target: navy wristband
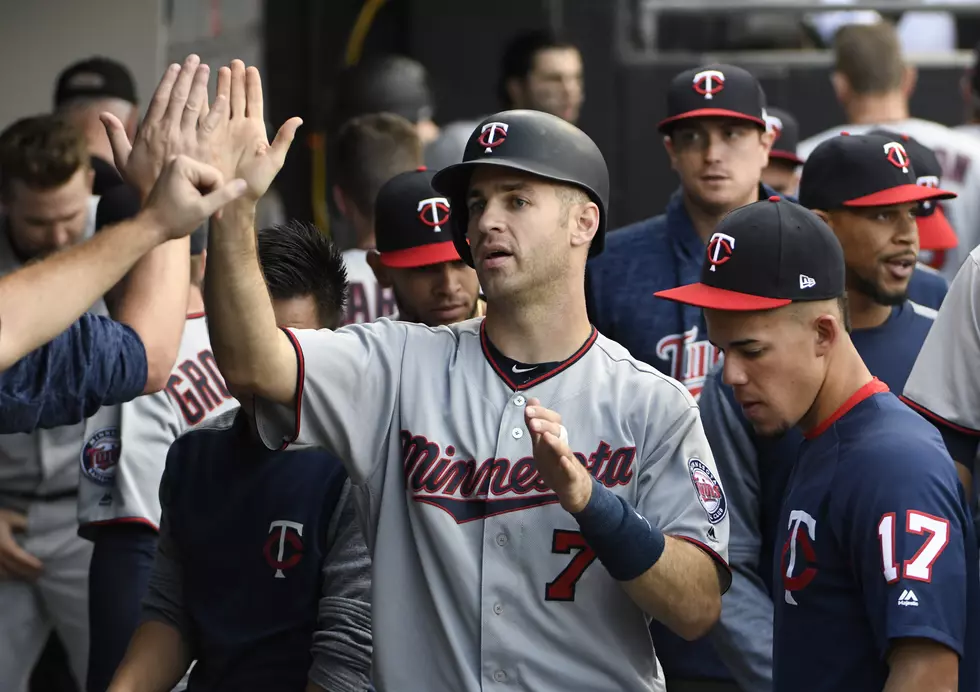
(626, 544)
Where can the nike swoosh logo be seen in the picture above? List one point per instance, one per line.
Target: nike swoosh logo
(520, 370)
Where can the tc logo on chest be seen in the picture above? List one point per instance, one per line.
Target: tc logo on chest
(798, 559)
(468, 489)
(284, 547)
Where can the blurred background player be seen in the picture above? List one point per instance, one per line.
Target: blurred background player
(782, 173)
(541, 71)
(873, 84)
(84, 91)
(308, 625)
(416, 256)
(887, 330)
(370, 150)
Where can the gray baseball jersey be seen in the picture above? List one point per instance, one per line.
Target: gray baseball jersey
(125, 447)
(481, 580)
(945, 380)
(367, 299)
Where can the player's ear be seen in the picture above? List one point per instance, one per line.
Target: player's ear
(585, 223)
(827, 331)
(669, 146)
(909, 79)
(380, 270)
(340, 200)
(842, 88)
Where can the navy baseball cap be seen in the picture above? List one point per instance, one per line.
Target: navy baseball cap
(411, 222)
(935, 233)
(867, 170)
(786, 132)
(766, 255)
(715, 91)
(96, 77)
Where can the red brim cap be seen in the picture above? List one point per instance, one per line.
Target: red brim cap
(710, 113)
(902, 194)
(421, 255)
(787, 156)
(935, 233)
(704, 296)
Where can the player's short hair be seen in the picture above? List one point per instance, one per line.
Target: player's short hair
(42, 151)
(518, 58)
(371, 150)
(567, 196)
(870, 57)
(299, 260)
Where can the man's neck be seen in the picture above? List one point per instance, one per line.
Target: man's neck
(846, 373)
(195, 301)
(865, 312)
(705, 221)
(542, 332)
(877, 109)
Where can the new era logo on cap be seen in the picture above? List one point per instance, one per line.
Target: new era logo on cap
(807, 281)
(409, 220)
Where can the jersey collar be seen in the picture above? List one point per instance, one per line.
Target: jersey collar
(875, 386)
(548, 370)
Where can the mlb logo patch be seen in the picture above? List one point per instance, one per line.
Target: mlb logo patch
(710, 494)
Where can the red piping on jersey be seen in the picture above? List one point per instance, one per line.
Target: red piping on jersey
(124, 520)
(564, 365)
(300, 381)
(712, 554)
(195, 315)
(937, 418)
(875, 386)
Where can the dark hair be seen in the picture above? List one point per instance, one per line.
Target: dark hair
(518, 58)
(42, 151)
(371, 150)
(384, 84)
(299, 260)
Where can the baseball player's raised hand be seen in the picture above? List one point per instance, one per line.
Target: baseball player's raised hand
(556, 463)
(178, 121)
(15, 562)
(186, 194)
(238, 145)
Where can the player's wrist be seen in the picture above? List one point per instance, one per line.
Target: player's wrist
(626, 543)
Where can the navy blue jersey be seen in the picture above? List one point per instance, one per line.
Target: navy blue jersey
(248, 527)
(927, 287)
(877, 545)
(96, 362)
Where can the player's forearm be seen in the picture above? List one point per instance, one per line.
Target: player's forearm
(156, 660)
(681, 590)
(41, 300)
(154, 303)
(919, 665)
(253, 355)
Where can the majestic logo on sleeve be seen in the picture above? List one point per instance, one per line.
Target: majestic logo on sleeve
(895, 153)
(690, 359)
(493, 135)
(798, 559)
(434, 212)
(720, 249)
(468, 489)
(100, 456)
(709, 82)
(709, 491)
(284, 548)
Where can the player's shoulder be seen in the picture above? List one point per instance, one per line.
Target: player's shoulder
(210, 428)
(922, 312)
(623, 243)
(639, 378)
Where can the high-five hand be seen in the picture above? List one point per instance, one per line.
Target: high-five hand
(559, 468)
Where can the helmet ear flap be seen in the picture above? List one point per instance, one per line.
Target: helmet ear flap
(458, 223)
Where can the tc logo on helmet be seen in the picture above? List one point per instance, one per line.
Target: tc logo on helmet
(720, 249)
(895, 153)
(709, 82)
(434, 212)
(492, 135)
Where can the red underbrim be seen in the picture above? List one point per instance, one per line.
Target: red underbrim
(704, 296)
(787, 156)
(935, 233)
(710, 113)
(901, 194)
(421, 255)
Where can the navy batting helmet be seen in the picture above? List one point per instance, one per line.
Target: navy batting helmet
(533, 141)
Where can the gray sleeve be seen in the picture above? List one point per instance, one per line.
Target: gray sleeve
(342, 646)
(743, 635)
(164, 599)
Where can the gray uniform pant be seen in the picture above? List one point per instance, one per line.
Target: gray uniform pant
(57, 600)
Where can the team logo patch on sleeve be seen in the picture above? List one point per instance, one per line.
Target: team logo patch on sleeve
(100, 456)
(709, 491)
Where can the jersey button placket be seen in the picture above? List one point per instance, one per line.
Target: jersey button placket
(499, 676)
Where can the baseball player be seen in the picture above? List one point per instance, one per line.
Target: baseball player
(273, 529)
(370, 150)
(873, 83)
(416, 257)
(782, 173)
(500, 529)
(888, 331)
(876, 577)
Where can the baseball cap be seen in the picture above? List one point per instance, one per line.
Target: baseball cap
(867, 170)
(386, 84)
(787, 135)
(412, 222)
(935, 233)
(766, 255)
(96, 77)
(715, 91)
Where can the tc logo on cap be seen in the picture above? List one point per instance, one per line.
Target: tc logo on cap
(434, 212)
(774, 125)
(720, 249)
(895, 153)
(493, 135)
(709, 82)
